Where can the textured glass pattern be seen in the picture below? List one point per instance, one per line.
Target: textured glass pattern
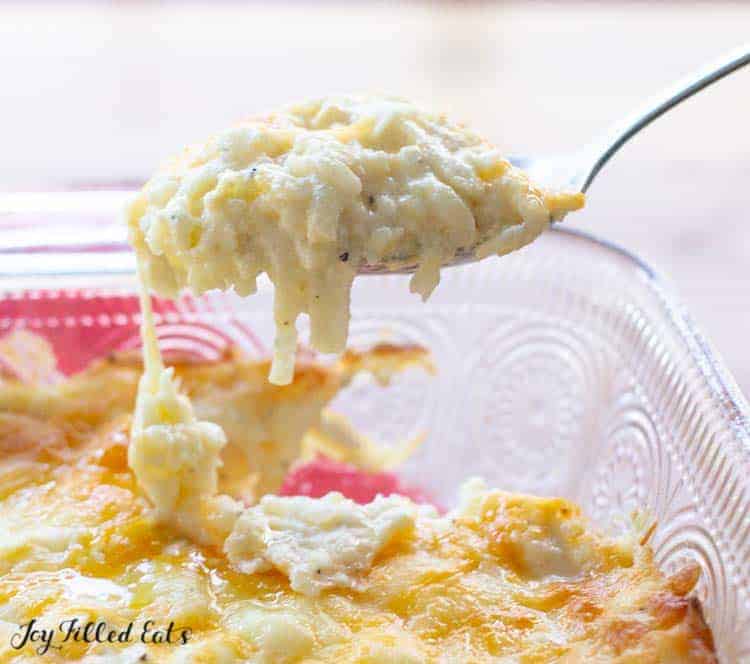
(568, 368)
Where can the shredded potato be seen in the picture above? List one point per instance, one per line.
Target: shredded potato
(309, 194)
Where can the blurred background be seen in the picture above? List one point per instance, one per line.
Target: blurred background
(100, 92)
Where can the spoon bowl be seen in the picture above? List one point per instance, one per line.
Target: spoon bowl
(577, 170)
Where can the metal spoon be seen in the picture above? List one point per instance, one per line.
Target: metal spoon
(577, 170)
(104, 252)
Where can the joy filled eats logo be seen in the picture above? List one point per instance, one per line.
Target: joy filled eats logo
(42, 638)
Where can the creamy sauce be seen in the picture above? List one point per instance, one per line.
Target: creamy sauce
(318, 543)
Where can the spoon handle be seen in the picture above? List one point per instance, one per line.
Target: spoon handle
(600, 152)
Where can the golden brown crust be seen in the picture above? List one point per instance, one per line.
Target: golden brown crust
(265, 423)
(507, 575)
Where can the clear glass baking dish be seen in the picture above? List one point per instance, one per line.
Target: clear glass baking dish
(568, 368)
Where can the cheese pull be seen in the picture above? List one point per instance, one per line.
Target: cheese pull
(176, 457)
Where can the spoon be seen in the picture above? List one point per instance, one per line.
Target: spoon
(577, 170)
(105, 253)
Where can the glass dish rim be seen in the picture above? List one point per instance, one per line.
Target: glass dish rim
(718, 379)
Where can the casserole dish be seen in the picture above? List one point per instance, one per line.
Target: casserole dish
(568, 368)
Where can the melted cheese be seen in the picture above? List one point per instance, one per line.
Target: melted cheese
(504, 577)
(460, 588)
(268, 428)
(310, 194)
(176, 457)
(318, 543)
